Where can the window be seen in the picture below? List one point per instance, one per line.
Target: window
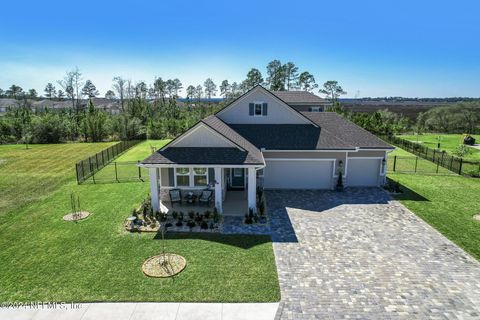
(258, 109)
(237, 172)
(315, 109)
(183, 177)
(200, 177)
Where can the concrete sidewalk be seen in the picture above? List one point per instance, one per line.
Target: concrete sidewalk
(145, 311)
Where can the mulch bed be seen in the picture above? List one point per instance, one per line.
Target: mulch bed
(76, 216)
(164, 266)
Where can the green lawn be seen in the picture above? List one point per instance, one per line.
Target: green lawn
(448, 142)
(44, 258)
(447, 202)
(142, 150)
(126, 164)
(33, 174)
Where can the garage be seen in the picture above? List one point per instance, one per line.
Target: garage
(363, 172)
(298, 174)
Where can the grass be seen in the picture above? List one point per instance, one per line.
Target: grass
(446, 202)
(126, 164)
(409, 163)
(448, 142)
(142, 150)
(30, 175)
(46, 259)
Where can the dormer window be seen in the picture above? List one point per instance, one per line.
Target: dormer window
(258, 109)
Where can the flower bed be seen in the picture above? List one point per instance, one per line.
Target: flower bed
(143, 219)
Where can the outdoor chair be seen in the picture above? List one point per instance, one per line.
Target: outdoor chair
(205, 197)
(175, 196)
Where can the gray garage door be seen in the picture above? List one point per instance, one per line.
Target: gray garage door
(301, 174)
(363, 172)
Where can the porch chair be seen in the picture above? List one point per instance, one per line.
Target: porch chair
(205, 197)
(175, 196)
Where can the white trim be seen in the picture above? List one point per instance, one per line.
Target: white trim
(191, 177)
(161, 165)
(365, 157)
(195, 128)
(258, 87)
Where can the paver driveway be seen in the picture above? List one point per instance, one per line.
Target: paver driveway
(358, 254)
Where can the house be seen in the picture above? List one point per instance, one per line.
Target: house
(262, 139)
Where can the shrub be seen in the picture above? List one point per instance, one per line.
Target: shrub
(206, 214)
(216, 216)
(179, 223)
(168, 225)
(191, 214)
(190, 224)
(204, 225)
(175, 215)
(198, 217)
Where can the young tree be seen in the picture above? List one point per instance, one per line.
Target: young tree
(14, 92)
(191, 92)
(291, 75)
(60, 95)
(306, 81)
(110, 95)
(254, 77)
(332, 90)
(50, 91)
(225, 88)
(89, 90)
(119, 87)
(210, 88)
(276, 75)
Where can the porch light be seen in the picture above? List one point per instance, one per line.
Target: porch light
(340, 164)
(384, 161)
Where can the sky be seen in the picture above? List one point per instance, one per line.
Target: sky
(421, 48)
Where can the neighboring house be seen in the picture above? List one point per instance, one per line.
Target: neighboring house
(261, 139)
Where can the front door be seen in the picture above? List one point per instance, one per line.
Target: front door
(238, 178)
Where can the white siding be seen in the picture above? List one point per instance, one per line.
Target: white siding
(278, 112)
(203, 137)
(298, 174)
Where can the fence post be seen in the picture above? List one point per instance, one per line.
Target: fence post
(139, 170)
(460, 166)
(76, 170)
(434, 153)
(394, 163)
(116, 175)
(90, 163)
(96, 159)
(416, 162)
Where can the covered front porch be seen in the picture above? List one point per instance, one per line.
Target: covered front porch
(232, 188)
(235, 204)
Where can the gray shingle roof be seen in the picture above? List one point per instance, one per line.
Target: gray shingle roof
(347, 130)
(290, 137)
(187, 155)
(195, 155)
(298, 97)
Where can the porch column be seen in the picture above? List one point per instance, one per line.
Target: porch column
(252, 189)
(218, 190)
(154, 190)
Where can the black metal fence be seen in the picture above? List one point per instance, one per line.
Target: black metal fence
(415, 164)
(119, 171)
(439, 157)
(89, 167)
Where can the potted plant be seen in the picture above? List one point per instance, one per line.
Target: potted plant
(339, 186)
